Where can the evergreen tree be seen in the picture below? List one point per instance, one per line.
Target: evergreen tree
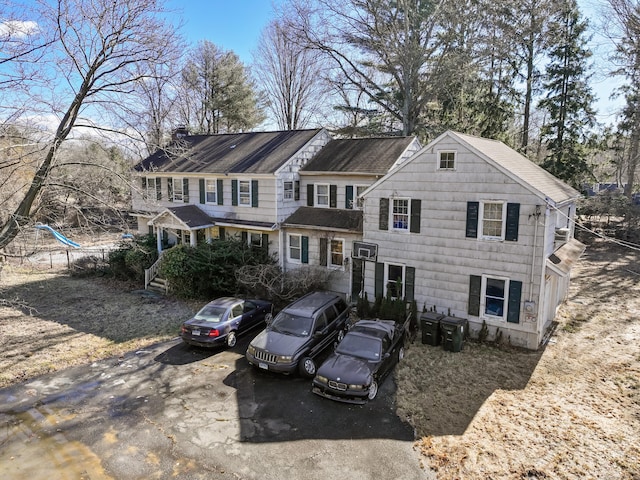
(568, 98)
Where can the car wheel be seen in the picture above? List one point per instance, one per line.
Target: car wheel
(307, 367)
(231, 339)
(401, 354)
(373, 390)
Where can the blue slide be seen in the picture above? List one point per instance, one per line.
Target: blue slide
(61, 238)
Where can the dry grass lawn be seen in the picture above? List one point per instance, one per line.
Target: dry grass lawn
(568, 411)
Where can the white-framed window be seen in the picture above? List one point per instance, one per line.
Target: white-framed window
(151, 191)
(295, 248)
(255, 239)
(400, 214)
(446, 160)
(394, 280)
(244, 192)
(492, 219)
(211, 191)
(495, 294)
(178, 190)
(336, 253)
(288, 190)
(322, 195)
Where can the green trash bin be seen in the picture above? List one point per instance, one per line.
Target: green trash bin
(453, 331)
(430, 326)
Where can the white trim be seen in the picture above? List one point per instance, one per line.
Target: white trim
(214, 181)
(503, 223)
(439, 160)
(483, 298)
(392, 227)
(289, 257)
(240, 182)
(386, 277)
(330, 264)
(316, 194)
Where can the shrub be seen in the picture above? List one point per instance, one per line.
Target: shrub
(132, 257)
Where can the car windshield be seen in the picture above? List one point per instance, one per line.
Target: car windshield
(362, 347)
(292, 324)
(211, 313)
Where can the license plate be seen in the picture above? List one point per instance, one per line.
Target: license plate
(195, 332)
(263, 365)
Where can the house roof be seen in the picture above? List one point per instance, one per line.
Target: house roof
(253, 153)
(326, 218)
(359, 155)
(562, 260)
(510, 161)
(188, 215)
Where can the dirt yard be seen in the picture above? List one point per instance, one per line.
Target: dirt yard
(568, 411)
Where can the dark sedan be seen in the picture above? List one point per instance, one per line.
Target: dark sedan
(361, 361)
(221, 321)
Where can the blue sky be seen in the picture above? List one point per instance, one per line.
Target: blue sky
(230, 24)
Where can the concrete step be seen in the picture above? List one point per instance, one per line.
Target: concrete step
(158, 285)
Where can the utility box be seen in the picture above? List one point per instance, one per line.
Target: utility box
(430, 326)
(453, 331)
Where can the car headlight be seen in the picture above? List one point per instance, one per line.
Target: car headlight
(284, 359)
(356, 387)
(321, 379)
(251, 350)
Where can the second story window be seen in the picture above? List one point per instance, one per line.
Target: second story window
(211, 192)
(178, 189)
(244, 192)
(400, 214)
(288, 190)
(322, 195)
(493, 218)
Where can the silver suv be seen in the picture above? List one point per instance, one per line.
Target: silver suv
(299, 333)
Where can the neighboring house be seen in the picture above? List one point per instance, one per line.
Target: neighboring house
(471, 227)
(209, 186)
(324, 231)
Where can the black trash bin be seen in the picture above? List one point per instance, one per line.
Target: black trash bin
(453, 330)
(430, 326)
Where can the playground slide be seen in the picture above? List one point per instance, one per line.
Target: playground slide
(60, 237)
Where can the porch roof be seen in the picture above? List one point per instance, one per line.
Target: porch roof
(190, 216)
(326, 219)
(564, 258)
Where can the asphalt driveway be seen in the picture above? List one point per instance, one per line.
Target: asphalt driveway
(173, 411)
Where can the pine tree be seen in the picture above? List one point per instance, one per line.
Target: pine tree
(568, 98)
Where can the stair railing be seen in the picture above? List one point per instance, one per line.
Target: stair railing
(152, 272)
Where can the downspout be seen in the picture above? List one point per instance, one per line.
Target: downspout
(536, 215)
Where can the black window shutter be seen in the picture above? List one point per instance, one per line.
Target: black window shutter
(221, 233)
(323, 251)
(254, 193)
(244, 236)
(170, 188)
(356, 277)
(185, 190)
(333, 196)
(379, 280)
(310, 195)
(475, 285)
(296, 190)
(414, 224)
(409, 284)
(473, 210)
(513, 219)
(348, 196)
(144, 186)
(158, 188)
(219, 196)
(384, 214)
(202, 191)
(265, 242)
(513, 308)
(305, 250)
(234, 192)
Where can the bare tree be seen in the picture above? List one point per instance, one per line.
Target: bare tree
(87, 53)
(623, 27)
(291, 77)
(387, 49)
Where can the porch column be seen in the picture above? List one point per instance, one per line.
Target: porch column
(159, 238)
(193, 240)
